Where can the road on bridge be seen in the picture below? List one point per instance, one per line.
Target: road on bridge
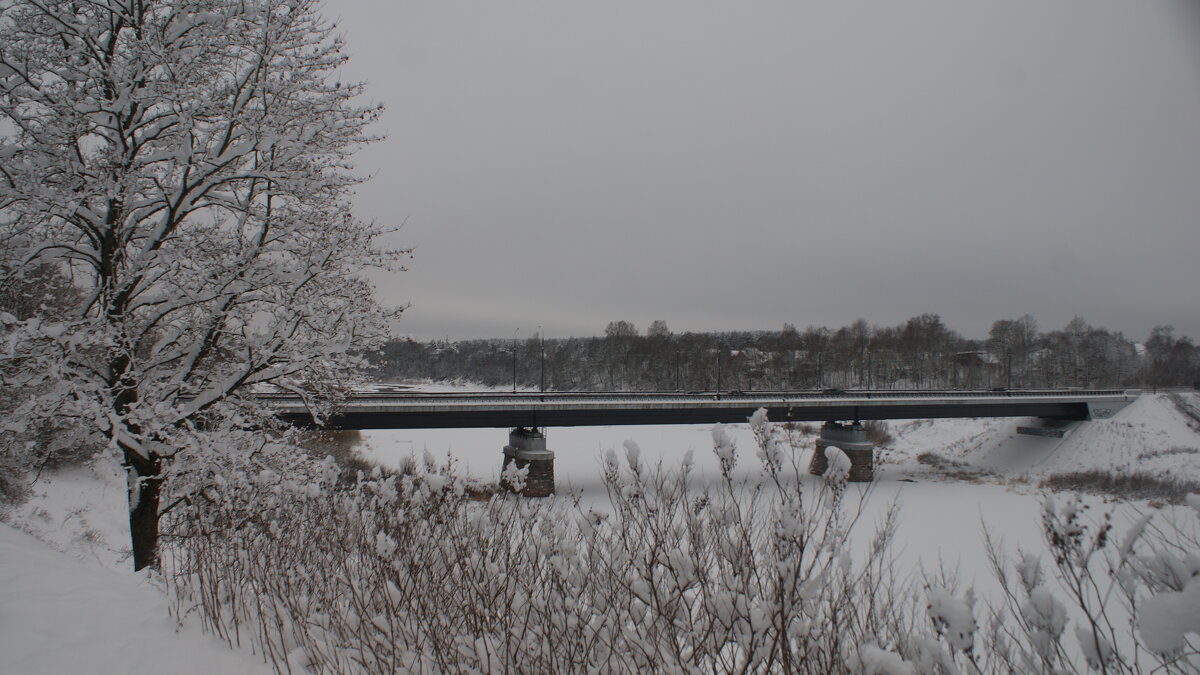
(415, 410)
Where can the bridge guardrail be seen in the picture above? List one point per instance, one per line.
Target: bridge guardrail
(599, 397)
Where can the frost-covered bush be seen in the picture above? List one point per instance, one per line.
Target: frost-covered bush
(1104, 601)
(39, 421)
(1099, 602)
(405, 574)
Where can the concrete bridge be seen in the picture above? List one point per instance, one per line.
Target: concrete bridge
(525, 414)
(411, 410)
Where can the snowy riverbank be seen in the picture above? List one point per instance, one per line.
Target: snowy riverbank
(78, 609)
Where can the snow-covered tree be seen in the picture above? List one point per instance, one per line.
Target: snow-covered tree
(186, 164)
(1013, 340)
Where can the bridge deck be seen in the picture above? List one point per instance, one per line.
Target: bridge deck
(504, 410)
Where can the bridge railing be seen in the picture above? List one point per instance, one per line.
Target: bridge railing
(598, 396)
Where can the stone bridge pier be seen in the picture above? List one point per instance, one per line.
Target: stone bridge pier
(527, 449)
(852, 439)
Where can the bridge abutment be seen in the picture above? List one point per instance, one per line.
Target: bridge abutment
(852, 440)
(527, 449)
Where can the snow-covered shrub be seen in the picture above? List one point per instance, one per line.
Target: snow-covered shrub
(405, 574)
(343, 446)
(1103, 602)
(953, 619)
(870, 659)
(878, 433)
(39, 420)
(1123, 484)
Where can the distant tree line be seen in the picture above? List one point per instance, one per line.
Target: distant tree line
(921, 353)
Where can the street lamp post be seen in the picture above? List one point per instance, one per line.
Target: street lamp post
(870, 372)
(718, 372)
(542, 369)
(515, 359)
(678, 370)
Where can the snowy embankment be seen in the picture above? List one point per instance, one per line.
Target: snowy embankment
(69, 600)
(1152, 435)
(82, 511)
(63, 615)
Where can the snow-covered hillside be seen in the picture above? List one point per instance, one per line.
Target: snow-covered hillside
(69, 602)
(1154, 434)
(80, 510)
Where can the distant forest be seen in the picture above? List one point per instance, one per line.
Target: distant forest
(921, 353)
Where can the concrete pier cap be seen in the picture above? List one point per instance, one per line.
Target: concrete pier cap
(527, 450)
(851, 438)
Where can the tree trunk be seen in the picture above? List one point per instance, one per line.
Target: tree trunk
(144, 496)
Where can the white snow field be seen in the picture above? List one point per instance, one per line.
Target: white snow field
(69, 604)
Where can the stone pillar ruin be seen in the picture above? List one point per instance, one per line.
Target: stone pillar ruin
(527, 448)
(852, 439)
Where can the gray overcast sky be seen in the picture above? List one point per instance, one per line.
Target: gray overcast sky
(741, 164)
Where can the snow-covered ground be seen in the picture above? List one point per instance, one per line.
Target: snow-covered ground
(82, 511)
(60, 614)
(69, 604)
